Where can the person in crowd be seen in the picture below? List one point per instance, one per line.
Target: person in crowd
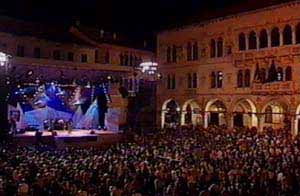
(185, 161)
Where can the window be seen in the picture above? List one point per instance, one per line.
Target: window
(298, 33)
(252, 40)
(275, 37)
(240, 79)
(287, 35)
(288, 73)
(130, 60)
(213, 80)
(220, 79)
(56, 54)
(37, 52)
(189, 80)
(212, 48)
(263, 39)
(169, 82)
(169, 54)
(189, 51)
(121, 59)
(70, 56)
(268, 115)
(174, 54)
(107, 57)
(242, 42)
(247, 78)
(195, 80)
(220, 47)
(20, 51)
(279, 74)
(84, 58)
(126, 59)
(173, 81)
(263, 75)
(97, 56)
(195, 51)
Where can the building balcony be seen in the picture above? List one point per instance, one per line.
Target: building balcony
(284, 87)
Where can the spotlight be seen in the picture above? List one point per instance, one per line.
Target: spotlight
(109, 77)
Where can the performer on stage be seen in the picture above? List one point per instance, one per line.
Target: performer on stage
(102, 109)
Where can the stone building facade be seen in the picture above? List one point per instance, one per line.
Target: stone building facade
(238, 70)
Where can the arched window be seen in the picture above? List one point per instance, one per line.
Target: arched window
(173, 81)
(287, 35)
(195, 51)
(220, 47)
(169, 54)
(189, 80)
(212, 48)
(240, 78)
(279, 74)
(125, 59)
(288, 73)
(242, 42)
(252, 40)
(220, 79)
(298, 33)
(169, 82)
(268, 115)
(263, 39)
(263, 75)
(247, 78)
(174, 54)
(130, 60)
(121, 59)
(275, 37)
(107, 57)
(189, 51)
(195, 79)
(213, 80)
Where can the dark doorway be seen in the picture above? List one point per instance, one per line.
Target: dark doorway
(214, 118)
(238, 120)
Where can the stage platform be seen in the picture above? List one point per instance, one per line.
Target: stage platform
(76, 138)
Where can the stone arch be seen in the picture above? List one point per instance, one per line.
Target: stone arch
(195, 115)
(215, 110)
(279, 109)
(165, 111)
(244, 110)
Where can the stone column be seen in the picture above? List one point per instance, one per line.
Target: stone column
(269, 39)
(257, 41)
(293, 35)
(259, 122)
(247, 41)
(280, 37)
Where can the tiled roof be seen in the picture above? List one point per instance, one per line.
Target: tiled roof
(52, 33)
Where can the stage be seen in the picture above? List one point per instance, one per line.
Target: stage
(75, 138)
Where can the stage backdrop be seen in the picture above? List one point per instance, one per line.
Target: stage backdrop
(33, 106)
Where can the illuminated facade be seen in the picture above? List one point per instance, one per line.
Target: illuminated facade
(239, 70)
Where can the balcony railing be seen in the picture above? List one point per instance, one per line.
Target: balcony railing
(284, 87)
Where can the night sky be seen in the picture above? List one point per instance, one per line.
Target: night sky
(131, 17)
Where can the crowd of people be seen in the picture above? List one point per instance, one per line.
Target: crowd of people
(173, 162)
